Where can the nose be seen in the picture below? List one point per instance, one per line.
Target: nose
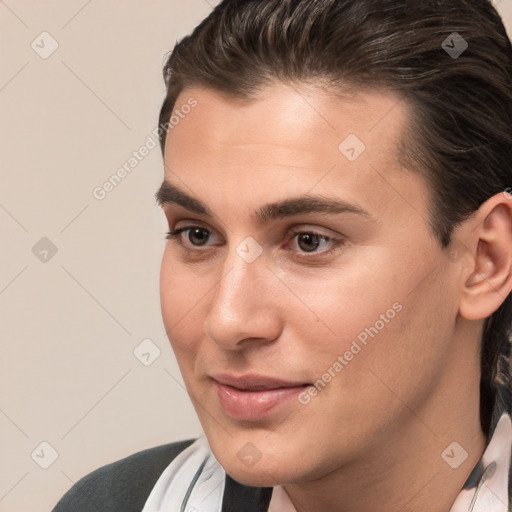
(244, 309)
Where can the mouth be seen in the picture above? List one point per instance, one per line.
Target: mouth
(254, 397)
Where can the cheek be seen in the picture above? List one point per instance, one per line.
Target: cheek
(366, 336)
(420, 343)
(182, 299)
(400, 363)
(341, 305)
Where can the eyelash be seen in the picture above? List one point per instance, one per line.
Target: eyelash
(334, 242)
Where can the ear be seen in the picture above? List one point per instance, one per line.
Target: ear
(489, 282)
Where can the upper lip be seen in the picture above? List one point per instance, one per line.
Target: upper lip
(254, 382)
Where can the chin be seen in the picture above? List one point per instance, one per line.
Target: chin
(254, 478)
(258, 469)
(260, 475)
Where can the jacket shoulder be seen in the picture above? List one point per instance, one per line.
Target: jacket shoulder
(121, 485)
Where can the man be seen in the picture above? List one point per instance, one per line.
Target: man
(336, 284)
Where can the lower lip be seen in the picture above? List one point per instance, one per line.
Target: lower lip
(254, 405)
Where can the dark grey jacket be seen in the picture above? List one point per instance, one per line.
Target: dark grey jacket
(125, 485)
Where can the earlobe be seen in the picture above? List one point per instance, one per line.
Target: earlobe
(490, 280)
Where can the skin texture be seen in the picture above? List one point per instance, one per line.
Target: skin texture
(384, 420)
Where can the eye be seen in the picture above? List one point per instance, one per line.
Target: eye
(195, 235)
(303, 242)
(310, 242)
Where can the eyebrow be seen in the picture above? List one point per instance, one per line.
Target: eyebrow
(169, 193)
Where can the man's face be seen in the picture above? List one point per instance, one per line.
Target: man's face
(302, 329)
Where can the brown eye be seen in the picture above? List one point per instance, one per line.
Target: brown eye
(198, 236)
(314, 244)
(309, 242)
(193, 235)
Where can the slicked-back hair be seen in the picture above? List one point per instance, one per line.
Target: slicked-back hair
(459, 135)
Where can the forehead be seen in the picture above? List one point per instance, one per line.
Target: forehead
(293, 114)
(291, 139)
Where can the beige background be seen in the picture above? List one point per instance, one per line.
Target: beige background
(70, 323)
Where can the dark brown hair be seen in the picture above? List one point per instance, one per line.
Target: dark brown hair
(460, 133)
